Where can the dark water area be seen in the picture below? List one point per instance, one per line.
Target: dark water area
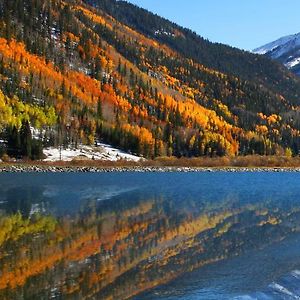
(150, 236)
(260, 274)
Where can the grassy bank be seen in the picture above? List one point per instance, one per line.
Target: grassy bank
(218, 162)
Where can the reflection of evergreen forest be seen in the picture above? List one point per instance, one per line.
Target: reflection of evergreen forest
(115, 249)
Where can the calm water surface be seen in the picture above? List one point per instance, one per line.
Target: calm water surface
(150, 236)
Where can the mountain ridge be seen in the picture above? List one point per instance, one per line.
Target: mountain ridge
(136, 17)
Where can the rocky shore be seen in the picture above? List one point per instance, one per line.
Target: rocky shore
(142, 169)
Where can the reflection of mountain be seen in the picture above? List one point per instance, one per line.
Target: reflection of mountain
(116, 248)
(237, 278)
(287, 287)
(28, 200)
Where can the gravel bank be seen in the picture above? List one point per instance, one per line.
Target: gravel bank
(54, 169)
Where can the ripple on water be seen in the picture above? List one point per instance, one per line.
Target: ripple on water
(286, 288)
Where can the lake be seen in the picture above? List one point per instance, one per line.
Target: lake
(150, 236)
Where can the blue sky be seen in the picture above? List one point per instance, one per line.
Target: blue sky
(245, 24)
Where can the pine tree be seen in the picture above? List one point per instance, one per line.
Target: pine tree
(26, 139)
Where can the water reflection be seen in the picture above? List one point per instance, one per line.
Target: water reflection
(113, 236)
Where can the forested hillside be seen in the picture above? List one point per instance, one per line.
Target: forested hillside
(71, 74)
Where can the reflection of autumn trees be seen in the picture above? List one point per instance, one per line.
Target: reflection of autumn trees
(116, 249)
(15, 226)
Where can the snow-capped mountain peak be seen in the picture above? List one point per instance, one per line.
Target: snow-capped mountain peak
(290, 39)
(286, 50)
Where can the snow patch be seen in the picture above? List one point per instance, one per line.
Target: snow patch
(100, 152)
(164, 32)
(36, 133)
(293, 63)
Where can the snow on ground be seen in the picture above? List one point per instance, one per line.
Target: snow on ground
(101, 152)
(164, 32)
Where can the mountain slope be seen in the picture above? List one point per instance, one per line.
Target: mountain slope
(226, 59)
(286, 50)
(80, 74)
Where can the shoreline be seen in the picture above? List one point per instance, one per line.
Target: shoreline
(141, 169)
